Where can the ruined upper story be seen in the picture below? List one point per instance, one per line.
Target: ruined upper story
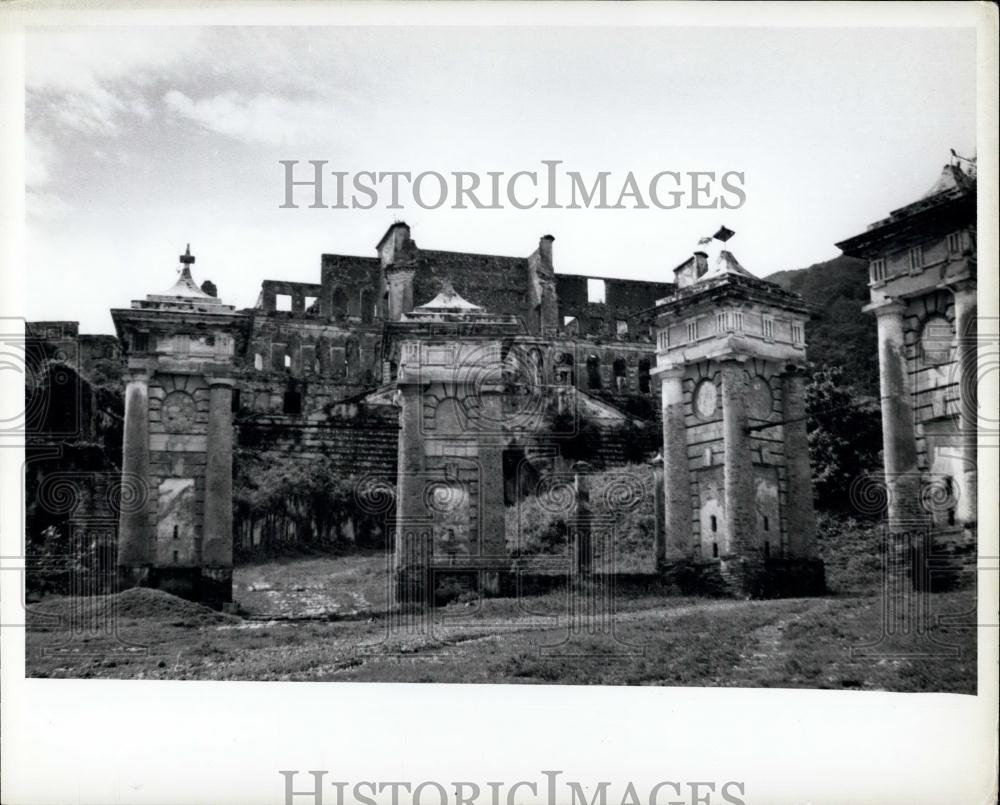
(358, 291)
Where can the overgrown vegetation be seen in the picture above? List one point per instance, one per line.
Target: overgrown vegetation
(282, 503)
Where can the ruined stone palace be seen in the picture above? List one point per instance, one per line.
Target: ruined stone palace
(441, 371)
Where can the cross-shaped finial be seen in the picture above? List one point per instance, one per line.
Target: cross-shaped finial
(187, 258)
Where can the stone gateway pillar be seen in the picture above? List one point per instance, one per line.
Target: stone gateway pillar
(135, 542)
(217, 538)
(899, 442)
(178, 444)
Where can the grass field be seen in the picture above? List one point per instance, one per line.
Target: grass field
(324, 618)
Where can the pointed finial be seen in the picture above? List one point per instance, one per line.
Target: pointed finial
(187, 258)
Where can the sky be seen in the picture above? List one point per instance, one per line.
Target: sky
(141, 140)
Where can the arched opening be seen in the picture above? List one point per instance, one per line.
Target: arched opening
(593, 372)
(339, 303)
(367, 306)
(644, 375)
(351, 358)
(620, 373)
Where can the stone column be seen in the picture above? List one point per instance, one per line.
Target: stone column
(676, 472)
(135, 535)
(799, 512)
(899, 442)
(966, 360)
(217, 526)
(741, 519)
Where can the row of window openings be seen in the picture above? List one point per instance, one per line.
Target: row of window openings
(731, 321)
(915, 257)
(350, 362)
(369, 310)
(597, 326)
(565, 373)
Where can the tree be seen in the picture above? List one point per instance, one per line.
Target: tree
(845, 437)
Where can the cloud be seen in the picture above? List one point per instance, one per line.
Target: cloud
(91, 82)
(258, 119)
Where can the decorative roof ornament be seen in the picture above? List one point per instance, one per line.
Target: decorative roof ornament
(185, 289)
(448, 300)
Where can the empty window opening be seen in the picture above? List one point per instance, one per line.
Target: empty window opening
(339, 302)
(767, 548)
(596, 291)
(175, 532)
(288, 361)
(715, 550)
(644, 375)
(292, 403)
(234, 404)
(621, 328)
(593, 372)
(177, 557)
(619, 371)
(258, 361)
(311, 306)
(767, 523)
(715, 524)
(283, 301)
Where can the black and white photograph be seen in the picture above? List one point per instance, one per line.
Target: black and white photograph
(504, 355)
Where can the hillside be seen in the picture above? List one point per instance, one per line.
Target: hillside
(839, 333)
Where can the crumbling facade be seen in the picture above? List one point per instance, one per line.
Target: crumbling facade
(923, 291)
(735, 463)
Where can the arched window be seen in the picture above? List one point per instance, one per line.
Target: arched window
(339, 307)
(367, 306)
(620, 372)
(593, 372)
(644, 375)
(351, 358)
